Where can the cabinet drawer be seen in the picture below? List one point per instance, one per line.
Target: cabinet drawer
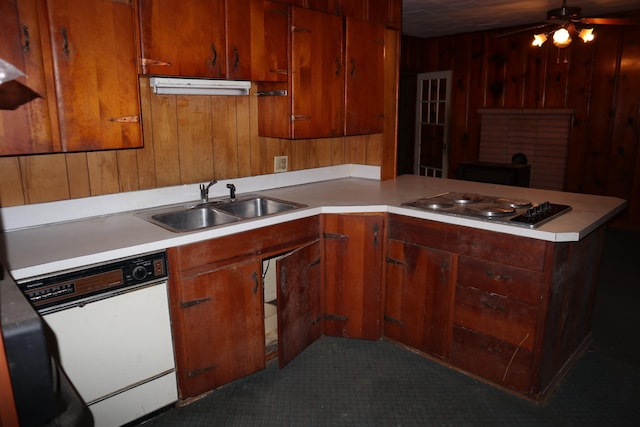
(492, 359)
(516, 283)
(495, 315)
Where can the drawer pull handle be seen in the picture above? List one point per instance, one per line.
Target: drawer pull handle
(498, 277)
(495, 307)
(491, 348)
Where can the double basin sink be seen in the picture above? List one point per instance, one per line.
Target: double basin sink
(214, 213)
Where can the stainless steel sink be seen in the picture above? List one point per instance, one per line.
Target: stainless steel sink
(183, 218)
(189, 219)
(257, 206)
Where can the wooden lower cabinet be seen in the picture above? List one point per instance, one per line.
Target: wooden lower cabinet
(511, 310)
(419, 291)
(217, 308)
(353, 249)
(299, 301)
(221, 313)
(517, 312)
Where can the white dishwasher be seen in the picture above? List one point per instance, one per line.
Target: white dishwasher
(113, 334)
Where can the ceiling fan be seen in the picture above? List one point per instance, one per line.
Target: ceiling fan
(566, 21)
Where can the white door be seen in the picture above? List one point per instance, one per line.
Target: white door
(431, 157)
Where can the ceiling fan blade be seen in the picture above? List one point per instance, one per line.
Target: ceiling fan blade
(609, 21)
(523, 30)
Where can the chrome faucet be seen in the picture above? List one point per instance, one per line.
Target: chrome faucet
(204, 191)
(232, 191)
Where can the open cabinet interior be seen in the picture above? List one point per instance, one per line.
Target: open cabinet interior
(270, 306)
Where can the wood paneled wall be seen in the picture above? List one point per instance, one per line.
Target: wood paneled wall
(187, 140)
(600, 81)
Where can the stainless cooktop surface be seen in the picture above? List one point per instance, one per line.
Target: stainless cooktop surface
(523, 213)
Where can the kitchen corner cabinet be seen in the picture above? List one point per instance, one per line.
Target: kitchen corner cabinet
(88, 57)
(216, 302)
(420, 283)
(353, 291)
(309, 103)
(519, 313)
(364, 77)
(209, 38)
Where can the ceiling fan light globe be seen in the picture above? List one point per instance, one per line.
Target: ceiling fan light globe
(539, 39)
(586, 34)
(561, 38)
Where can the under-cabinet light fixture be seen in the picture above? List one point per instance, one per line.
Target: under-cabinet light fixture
(181, 86)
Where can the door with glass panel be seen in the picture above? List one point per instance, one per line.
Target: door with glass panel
(432, 124)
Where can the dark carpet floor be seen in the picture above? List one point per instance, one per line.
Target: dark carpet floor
(346, 382)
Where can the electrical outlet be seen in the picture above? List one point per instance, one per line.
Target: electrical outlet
(280, 163)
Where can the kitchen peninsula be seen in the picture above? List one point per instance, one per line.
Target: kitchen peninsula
(508, 304)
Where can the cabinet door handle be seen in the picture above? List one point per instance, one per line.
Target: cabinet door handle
(214, 59)
(388, 318)
(65, 41)
(352, 73)
(236, 57)
(200, 371)
(338, 67)
(376, 229)
(187, 304)
(283, 279)
(443, 272)
(27, 40)
(254, 276)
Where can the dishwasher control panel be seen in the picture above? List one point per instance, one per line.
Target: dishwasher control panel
(78, 286)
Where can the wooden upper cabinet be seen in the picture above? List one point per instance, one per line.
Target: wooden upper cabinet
(80, 58)
(310, 103)
(385, 12)
(238, 38)
(270, 42)
(27, 128)
(183, 40)
(206, 38)
(364, 78)
(94, 59)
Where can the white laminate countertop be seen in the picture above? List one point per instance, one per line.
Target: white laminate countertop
(45, 249)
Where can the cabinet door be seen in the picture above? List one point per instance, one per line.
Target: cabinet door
(299, 301)
(353, 275)
(27, 128)
(419, 290)
(94, 58)
(183, 41)
(218, 327)
(313, 106)
(364, 78)
(238, 38)
(316, 74)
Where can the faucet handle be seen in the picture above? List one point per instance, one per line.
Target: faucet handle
(232, 191)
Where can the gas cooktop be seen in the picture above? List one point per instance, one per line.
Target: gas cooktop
(504, 210)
